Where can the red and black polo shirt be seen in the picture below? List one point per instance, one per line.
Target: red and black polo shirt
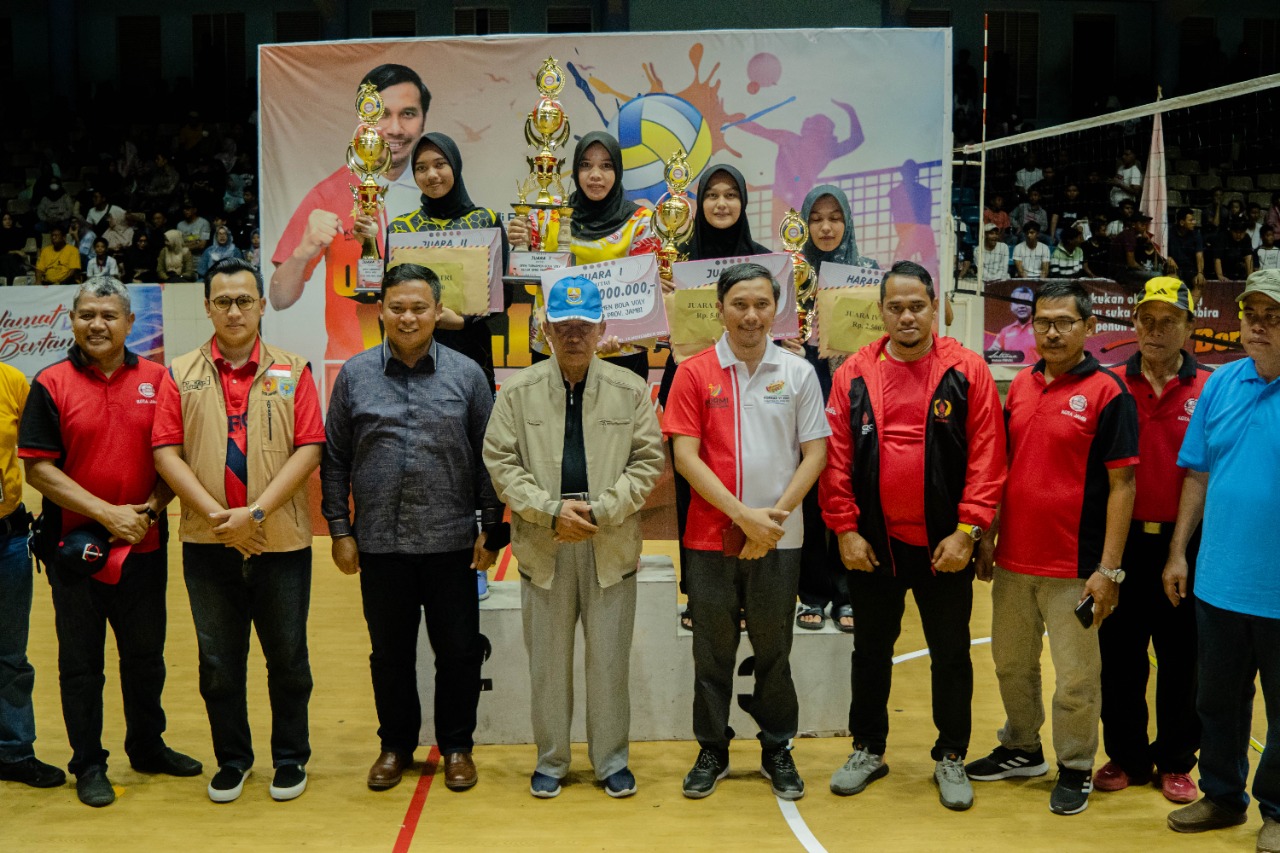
(1064, 437)
(1162, 423)
(98, 431)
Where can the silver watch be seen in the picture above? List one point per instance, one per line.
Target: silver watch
(1113, 575)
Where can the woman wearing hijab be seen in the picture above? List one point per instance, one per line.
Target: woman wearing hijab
(720, 230)
(446, 206)
(220, 249)
(605, 225)
(822, 576)
(139, 260)
(174, 263)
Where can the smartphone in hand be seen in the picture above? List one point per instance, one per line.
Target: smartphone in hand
(1084, 612)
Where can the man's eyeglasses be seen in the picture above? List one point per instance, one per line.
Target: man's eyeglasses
(1062, 324)
(1270, 319)
(223, 303)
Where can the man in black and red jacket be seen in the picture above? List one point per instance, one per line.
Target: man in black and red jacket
(915, 466)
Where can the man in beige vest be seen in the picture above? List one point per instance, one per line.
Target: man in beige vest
(237, 433)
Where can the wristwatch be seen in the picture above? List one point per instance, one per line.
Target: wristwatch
(151, 514)
(973, 531)
(257, 513)
(1113, 575)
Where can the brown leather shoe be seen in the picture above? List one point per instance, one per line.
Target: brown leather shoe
(387, 770)
(459, 771)
(1202, 816)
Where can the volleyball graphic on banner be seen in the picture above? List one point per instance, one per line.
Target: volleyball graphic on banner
(650, 128)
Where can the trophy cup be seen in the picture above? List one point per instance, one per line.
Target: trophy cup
(673, 214)
(546, 128)
(368, 158)
(794, 233)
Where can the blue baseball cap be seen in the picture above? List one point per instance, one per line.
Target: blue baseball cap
(574, 298)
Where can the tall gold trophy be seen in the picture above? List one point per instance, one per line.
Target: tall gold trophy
(546, 128)
(368, 158)
(794, 233)
(673, 214)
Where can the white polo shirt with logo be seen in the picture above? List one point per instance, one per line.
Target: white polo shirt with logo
(750, 427)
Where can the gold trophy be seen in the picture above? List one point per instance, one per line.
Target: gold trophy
(673, 214)
(546, 128)
(368, 158)
(794, 233)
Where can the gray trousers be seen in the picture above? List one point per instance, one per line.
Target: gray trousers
(767, 588)
(608, 619)
(1023, 607)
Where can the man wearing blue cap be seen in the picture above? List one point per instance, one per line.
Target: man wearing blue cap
(1233, 483)
(575, 527)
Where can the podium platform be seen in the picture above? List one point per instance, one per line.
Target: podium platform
(661, 670)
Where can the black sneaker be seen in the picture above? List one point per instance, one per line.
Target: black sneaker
(777, 766)
(1005, 763)
(227, 783)
(32, 771)
(169, 762)
(1071, 794)
(707, 771)
(289, 782)
(94, 788)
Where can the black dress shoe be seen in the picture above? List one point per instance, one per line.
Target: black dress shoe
(34, 772)
(94, 788)
(170, 763)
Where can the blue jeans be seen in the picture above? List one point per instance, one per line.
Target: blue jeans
(229, 594)
(1234, 649)
(17, 720)
(136, 609)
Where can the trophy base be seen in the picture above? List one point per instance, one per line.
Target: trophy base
(369, 272)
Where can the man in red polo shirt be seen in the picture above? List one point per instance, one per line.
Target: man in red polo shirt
(85, 438)
(237, 434)
(1165, 382)
(914, 470)
(750, 437)
(1064, 518)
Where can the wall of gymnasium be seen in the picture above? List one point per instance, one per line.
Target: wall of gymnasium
(82, 35)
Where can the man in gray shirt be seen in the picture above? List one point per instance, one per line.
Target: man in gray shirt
(404, 433)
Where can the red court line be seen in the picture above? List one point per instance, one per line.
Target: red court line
(502, 564)
(410, 824)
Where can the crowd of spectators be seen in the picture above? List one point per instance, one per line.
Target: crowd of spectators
(1062, 220)
(141, 204)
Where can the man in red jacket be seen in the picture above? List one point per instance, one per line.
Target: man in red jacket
(915, 466)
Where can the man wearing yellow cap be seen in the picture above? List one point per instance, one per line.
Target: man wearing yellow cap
(1165, 382)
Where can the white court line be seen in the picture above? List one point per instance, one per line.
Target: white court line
(795, 822)
(799, 828)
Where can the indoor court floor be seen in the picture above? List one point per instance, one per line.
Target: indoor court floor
(339, 813)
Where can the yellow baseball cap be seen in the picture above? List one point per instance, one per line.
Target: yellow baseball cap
(1170, 290)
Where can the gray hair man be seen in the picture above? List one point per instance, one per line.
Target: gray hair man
(573, 448)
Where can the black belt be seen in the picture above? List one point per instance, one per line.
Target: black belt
(1154, 528)
(18, 521)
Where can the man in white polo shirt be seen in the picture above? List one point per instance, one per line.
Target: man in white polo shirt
(749, 431)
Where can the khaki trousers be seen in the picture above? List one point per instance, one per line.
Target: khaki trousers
(1023, 607)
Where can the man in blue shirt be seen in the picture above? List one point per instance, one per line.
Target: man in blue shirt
(1233, 482)
(404, 436)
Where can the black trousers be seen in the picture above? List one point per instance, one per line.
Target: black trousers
(823, 578)
(397, 589)
(1146, 617)
(945, 601)
(135, 609)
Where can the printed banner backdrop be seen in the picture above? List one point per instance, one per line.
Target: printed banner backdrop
(1008, 340)
(791, 109)
(35, 325)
